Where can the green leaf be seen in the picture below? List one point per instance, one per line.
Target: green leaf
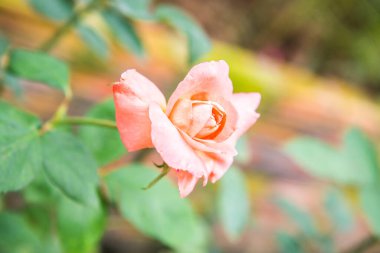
(338, 210)
(13, 83)
(158, 212)
(303, 220)
(133, 8)
(341, 166)
(233, 203)
(16, 235)
(70, 167)
(20, 156)
(370, 202)
(4, 45)
(53, 9)
(79, 227)
(93, 40)
(12, 114)
(41, 191)
(197, 40)
(325, 244)
(288, 243)
(361, 154)
(124, 31)
(320, 160)
(104, 143)
(41, 219)
(39, 67)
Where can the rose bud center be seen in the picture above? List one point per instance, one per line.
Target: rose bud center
(199, 119)
(214, 124)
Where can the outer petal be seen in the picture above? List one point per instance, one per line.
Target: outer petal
(217, 166)
(171, 146)
(209, 146)
(132, 96)
(210, 77)
(142, 87)
(186, 182)
(221, 165)
(246, 105)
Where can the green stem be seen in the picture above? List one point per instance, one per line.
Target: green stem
(53, 40)
(165, 171)
(87, 121)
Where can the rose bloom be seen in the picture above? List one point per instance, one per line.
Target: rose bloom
(196, 131)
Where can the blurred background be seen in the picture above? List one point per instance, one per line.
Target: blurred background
(316, 64)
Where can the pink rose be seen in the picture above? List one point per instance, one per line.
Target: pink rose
(196, 131)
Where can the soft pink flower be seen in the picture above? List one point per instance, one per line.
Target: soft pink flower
(196, 132)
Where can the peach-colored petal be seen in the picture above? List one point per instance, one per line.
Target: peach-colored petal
(209, 146)
(132, 96)
(210, 77)
(222, 164)
(186, 182)
(230, 124)
(246, 105)
(216, 166)
(224, 147)
(200, 114)
(181, 114)
(171, 146)
(132, 120)
(145, 89)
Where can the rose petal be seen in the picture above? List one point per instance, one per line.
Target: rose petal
(231, 119)
(186, 182)
(132, 97)
(171, 146)
(209, 146)
(224, 147)
(216, 165)
(145, 89)
(181, 114)
(200, 114)
(220, 166)
(246, 105)
(210, 77)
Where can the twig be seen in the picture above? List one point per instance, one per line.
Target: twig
(53, 40)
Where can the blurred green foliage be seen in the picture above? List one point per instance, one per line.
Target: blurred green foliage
(57, 10)
(340, 165)
(160, 212)
(338, 210)
(233, 203)
(310, 237)
(39, 67)
(19, 148)
(197, 42)
(104, 143)
(361, 168)
(73, 171)
(56, 171)
(95, 41)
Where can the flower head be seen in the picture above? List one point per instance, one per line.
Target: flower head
(196, 131)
